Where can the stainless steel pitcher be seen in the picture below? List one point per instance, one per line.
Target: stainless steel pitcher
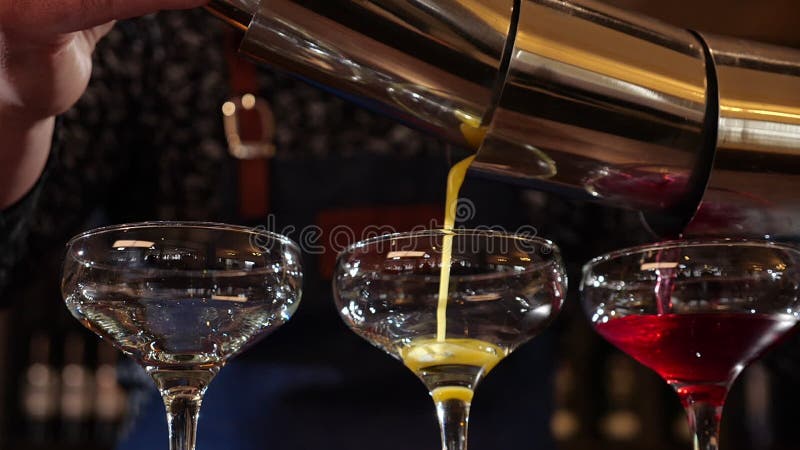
(701, 133)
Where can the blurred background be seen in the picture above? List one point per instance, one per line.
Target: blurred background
(59, 388)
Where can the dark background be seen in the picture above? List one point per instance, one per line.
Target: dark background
(52, 369)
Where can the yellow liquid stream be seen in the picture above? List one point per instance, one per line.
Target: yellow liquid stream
(476, 355)
(474, 133)
(425, 354)
(455, 179)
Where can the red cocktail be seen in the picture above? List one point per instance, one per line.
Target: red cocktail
(696, 313)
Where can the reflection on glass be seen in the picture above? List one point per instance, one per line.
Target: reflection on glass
(181, 299)
(697, 313)
(503, 290)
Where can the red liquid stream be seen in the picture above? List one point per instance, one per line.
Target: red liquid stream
(699, 354)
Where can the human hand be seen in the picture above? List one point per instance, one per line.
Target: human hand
(46, 49)
(45, 63)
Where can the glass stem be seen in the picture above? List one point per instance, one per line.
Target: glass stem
(182, 414)
(453, 420)
(704, 420)
(182, 392)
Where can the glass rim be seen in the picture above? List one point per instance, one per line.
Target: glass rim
(555, 252)
(198, 225)
(687, 243)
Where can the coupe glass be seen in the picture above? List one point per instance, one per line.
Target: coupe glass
(695, 312)
(503, 290)
(181, 299)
